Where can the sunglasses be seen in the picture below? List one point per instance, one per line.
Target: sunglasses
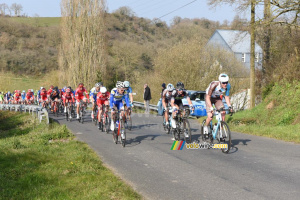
(225, 82)
(122, 90)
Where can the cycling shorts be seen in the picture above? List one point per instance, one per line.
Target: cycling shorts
(218, 104)
(118, 105)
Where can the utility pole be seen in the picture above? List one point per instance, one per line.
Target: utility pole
(252, 56)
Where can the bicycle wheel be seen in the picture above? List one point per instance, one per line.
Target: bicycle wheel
(129, 122)
(106, 124)
(208, 137)
(164, 123)
(123, 131)
(67, 114)
(115, 135)
(225, 134)
(188, 131)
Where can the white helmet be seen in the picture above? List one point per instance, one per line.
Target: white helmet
(41, 88)
(31, 90)
(119, 84)
(103, 90)
(170, 87)
(97, 85)
(223, 78)
(126, 84)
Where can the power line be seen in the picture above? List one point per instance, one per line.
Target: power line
(177, 9)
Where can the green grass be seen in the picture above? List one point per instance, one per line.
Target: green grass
(280, 121)
(40, 161)
(39, 21)
(10, 82)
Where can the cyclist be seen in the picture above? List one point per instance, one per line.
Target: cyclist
(54, 96)
(38, 95)
(23, 96)
(128, 90)
(17, 97)
(1, 97)
(93, 96)
(29, 97)
(7, 97)
(214, 95)
(80, 96)
(68, 97)
(117, 96)
(166, 100)
(102, 99)
(43, 96)
(176, 102)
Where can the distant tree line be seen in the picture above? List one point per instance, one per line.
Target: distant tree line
(15, 9)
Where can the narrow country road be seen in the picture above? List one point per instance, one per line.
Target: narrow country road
(255, 168)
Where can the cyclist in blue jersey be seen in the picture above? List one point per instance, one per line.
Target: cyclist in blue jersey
(117, 96)
(7, 97)
(23, 96)
(128, 90)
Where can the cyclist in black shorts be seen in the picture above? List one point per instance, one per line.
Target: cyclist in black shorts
(176, 100)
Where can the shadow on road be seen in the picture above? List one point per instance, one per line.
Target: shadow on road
(137, 140)
(240, 141)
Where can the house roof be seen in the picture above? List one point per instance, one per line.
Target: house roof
(238, 41)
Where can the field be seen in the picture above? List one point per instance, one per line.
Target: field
(39, 21)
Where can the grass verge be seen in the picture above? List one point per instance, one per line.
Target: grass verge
(40, 161)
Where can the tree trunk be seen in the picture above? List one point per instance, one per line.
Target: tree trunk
(252, 56)
(267, 38)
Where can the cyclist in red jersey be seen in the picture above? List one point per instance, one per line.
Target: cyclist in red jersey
(80, 96)
(43, 95)
(17, 98)
(29, 97)
(67, 97)
(102, 99)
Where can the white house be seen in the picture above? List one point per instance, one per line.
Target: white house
(237, 42)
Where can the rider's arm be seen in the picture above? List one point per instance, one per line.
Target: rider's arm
(173, 102)
(127, 101)
(111, 101)
(207, 99)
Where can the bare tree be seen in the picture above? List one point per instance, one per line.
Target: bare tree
(16, 8)
(83, 51)
(252, 56)
(3, 8)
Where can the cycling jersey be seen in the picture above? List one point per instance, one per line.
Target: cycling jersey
(17, 97)
(69, 97)
(178, 97)
(167, 96)
(129, 90)
(216, 91)
(29, 96)
(117, 99)
(79, 94)
(54, 94)
(23, 95)
(49, 92)
(43, 95)
(101, 99)
(7, 96)
(93, 93)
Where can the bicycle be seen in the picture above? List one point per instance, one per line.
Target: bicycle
(95, 115)
(180, 129)
(104, 120)
(69, 106)
(119, 127)
(220, 131)
(167, 128)
(55, 108)
(128, 121)
(82, 106)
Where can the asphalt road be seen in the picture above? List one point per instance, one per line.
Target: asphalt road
(255, 168)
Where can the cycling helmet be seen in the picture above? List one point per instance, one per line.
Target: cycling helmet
(51, 87)
(23, 91)
(163, 85)
(103, 90)
(41, 87)
(101, 84)
(68, 90)
(97, 85)
(126, 84)
(8, 92)
(180, 85)
(119, 84)
(223, 78)
(80, 84)
(170, 87)
(31, 90)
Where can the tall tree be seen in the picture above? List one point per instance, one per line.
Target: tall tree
(3, 8)
(267, 36)
(83, 50)
(16, 8)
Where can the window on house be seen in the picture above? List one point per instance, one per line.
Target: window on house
(257, 57)
(243, 57)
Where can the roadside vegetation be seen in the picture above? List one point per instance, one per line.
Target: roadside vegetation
(40, 161)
